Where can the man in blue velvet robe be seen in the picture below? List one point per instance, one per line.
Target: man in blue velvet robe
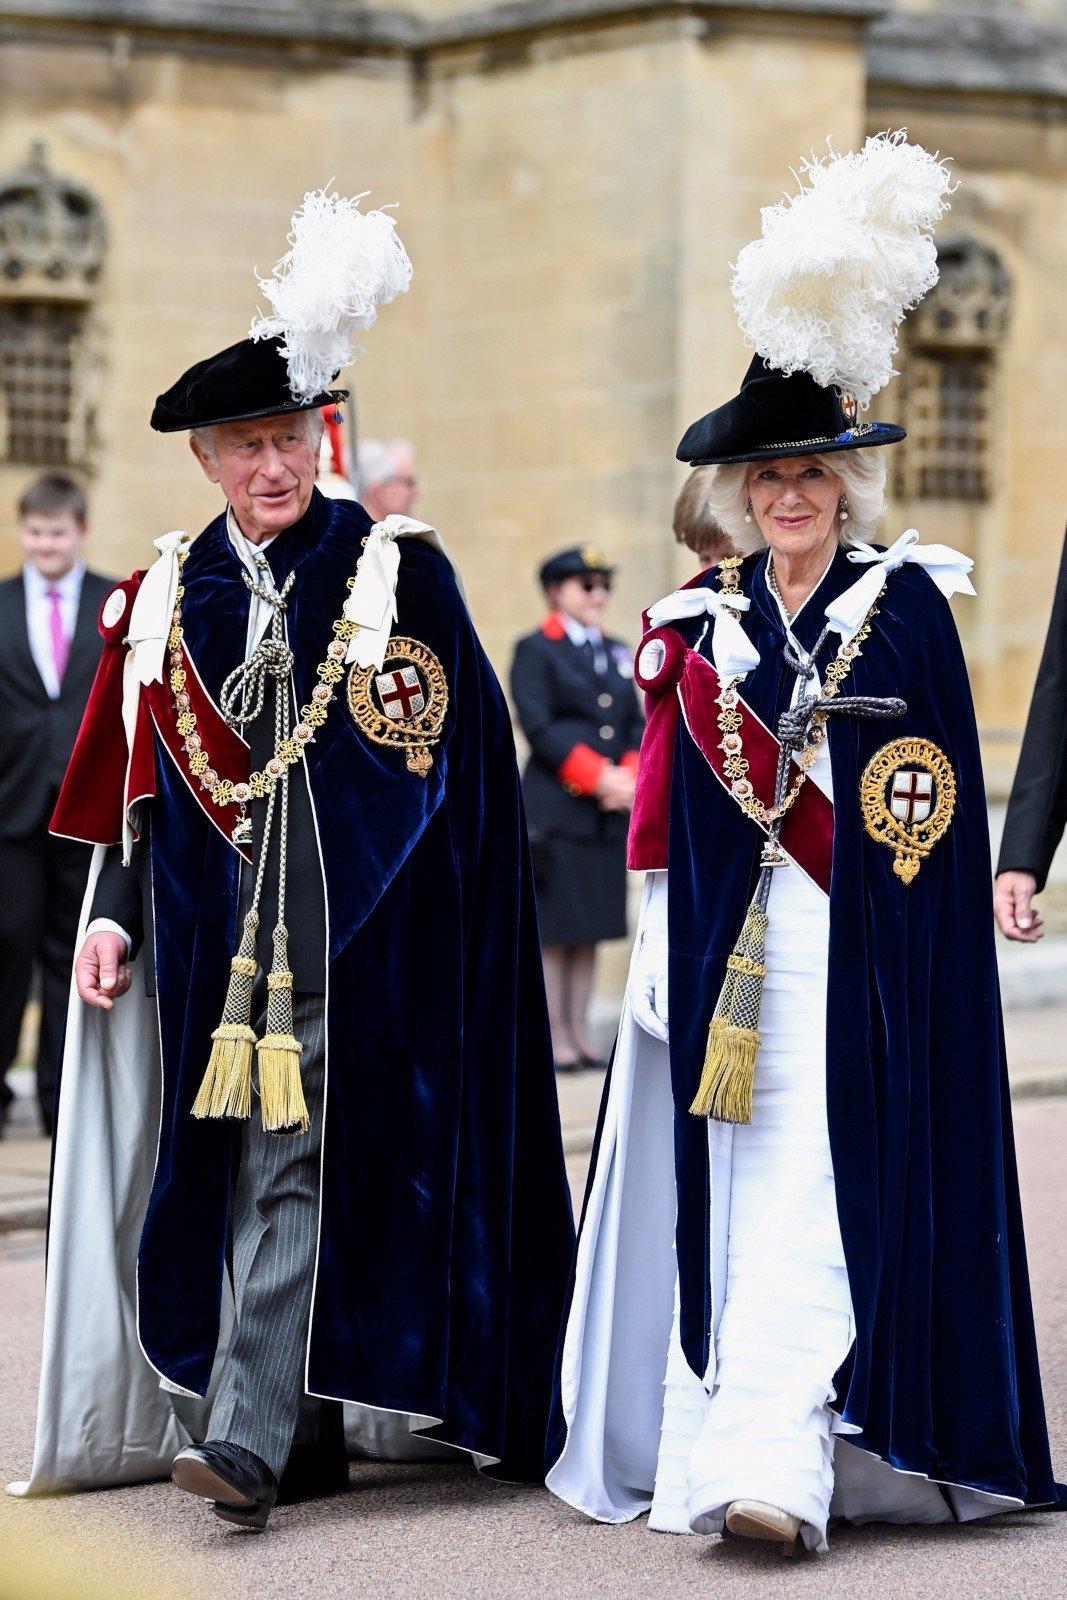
(401, 1239)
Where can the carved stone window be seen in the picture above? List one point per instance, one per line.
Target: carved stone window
(949, 375)
(52, 248)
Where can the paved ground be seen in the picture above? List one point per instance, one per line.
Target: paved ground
(443, 1532)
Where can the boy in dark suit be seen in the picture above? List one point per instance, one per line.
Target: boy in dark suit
(49, 654)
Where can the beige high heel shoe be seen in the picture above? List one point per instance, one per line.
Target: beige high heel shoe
(754, 1520)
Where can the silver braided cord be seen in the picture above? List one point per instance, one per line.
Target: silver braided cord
(242, 695)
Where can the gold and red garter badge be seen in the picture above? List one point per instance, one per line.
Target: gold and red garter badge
(402, 705)
(908, 795)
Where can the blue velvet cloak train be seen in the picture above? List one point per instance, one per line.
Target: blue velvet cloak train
(445, 1229)
(943, 1376)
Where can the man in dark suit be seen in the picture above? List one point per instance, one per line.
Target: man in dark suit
(51, 646)
(1037, 809)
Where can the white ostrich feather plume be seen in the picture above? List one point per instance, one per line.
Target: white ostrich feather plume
(826, 287)
(341, 265)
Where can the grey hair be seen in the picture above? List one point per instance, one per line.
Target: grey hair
(376, 460)
(863, 478)
(315, 425)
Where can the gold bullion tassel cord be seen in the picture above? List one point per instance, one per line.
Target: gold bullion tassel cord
(281, 1092)
(725, 1091)
(227, 1087)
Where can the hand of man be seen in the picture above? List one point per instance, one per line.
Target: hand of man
(101, 971)
(1016, 918)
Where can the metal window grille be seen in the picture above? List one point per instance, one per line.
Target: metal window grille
(948, 402)
(38, 350)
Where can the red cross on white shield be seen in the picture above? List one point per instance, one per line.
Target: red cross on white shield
(911, 798)
(401, 693)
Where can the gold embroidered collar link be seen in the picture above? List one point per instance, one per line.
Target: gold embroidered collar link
(288, 752)
(736, 765)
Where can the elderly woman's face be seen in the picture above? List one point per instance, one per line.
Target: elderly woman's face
(795, 504)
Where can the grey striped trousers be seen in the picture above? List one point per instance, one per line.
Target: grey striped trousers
(274, 1230)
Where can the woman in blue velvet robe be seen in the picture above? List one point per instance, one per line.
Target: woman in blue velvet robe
(827, 1311)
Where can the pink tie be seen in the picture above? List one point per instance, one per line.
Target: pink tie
(60, 642)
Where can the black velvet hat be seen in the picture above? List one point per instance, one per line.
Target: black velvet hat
(574, 563)
(250, 379)
(775, 415)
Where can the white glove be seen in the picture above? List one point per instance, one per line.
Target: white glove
(648, 972)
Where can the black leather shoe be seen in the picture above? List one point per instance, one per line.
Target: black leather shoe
(312, 1472)
(242, 1486)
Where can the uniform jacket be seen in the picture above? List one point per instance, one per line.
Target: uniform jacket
(445, 1231)
(37, 733)
(1037, 809)
(575, 719)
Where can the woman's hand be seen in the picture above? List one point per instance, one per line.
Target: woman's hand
(615, 789)
(648, 985)
(1016, 918)
(101, 971)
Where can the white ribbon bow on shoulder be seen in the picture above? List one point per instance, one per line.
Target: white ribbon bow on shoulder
(372, 601)
(732, 650)
(950, 570)
(150, 617)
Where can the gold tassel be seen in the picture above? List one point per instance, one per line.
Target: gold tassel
(226, 1089)
(281, 1092)
(725, 1091)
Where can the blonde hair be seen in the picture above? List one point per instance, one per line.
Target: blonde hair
(862, 474)
(693, 523)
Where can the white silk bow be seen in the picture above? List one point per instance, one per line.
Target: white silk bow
(732, 650)
(372, 601)
(950, 570)
(150, 618)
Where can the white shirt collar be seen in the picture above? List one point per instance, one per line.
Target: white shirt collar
(577, 632)
(37, 585)
(243, 545)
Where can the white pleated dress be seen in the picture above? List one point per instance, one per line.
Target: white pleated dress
(766, 1431)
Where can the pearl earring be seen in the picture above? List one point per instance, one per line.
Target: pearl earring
(748, 511)
(842, 509)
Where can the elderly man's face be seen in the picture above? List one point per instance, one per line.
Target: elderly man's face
(395, 495)
(266, 470)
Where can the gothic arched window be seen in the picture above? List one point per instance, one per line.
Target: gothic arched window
(52, 246)
(949, 378)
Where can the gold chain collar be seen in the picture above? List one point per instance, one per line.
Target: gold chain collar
(736, 765)
(288, 752)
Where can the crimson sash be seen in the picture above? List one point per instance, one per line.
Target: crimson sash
(807, 833)
(229, 752)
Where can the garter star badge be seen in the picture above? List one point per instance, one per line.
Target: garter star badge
(908, 794)
(403, 706)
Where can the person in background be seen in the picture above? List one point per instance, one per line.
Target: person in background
(1037, 808)
(387, 482)
(572, 687)
(50, 652)
(693, 524)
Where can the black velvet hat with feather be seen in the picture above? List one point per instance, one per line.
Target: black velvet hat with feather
(821, 295)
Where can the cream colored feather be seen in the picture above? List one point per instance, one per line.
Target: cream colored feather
(341, 265)
(826, 287)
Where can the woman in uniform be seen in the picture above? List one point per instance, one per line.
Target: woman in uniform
(572, 687)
